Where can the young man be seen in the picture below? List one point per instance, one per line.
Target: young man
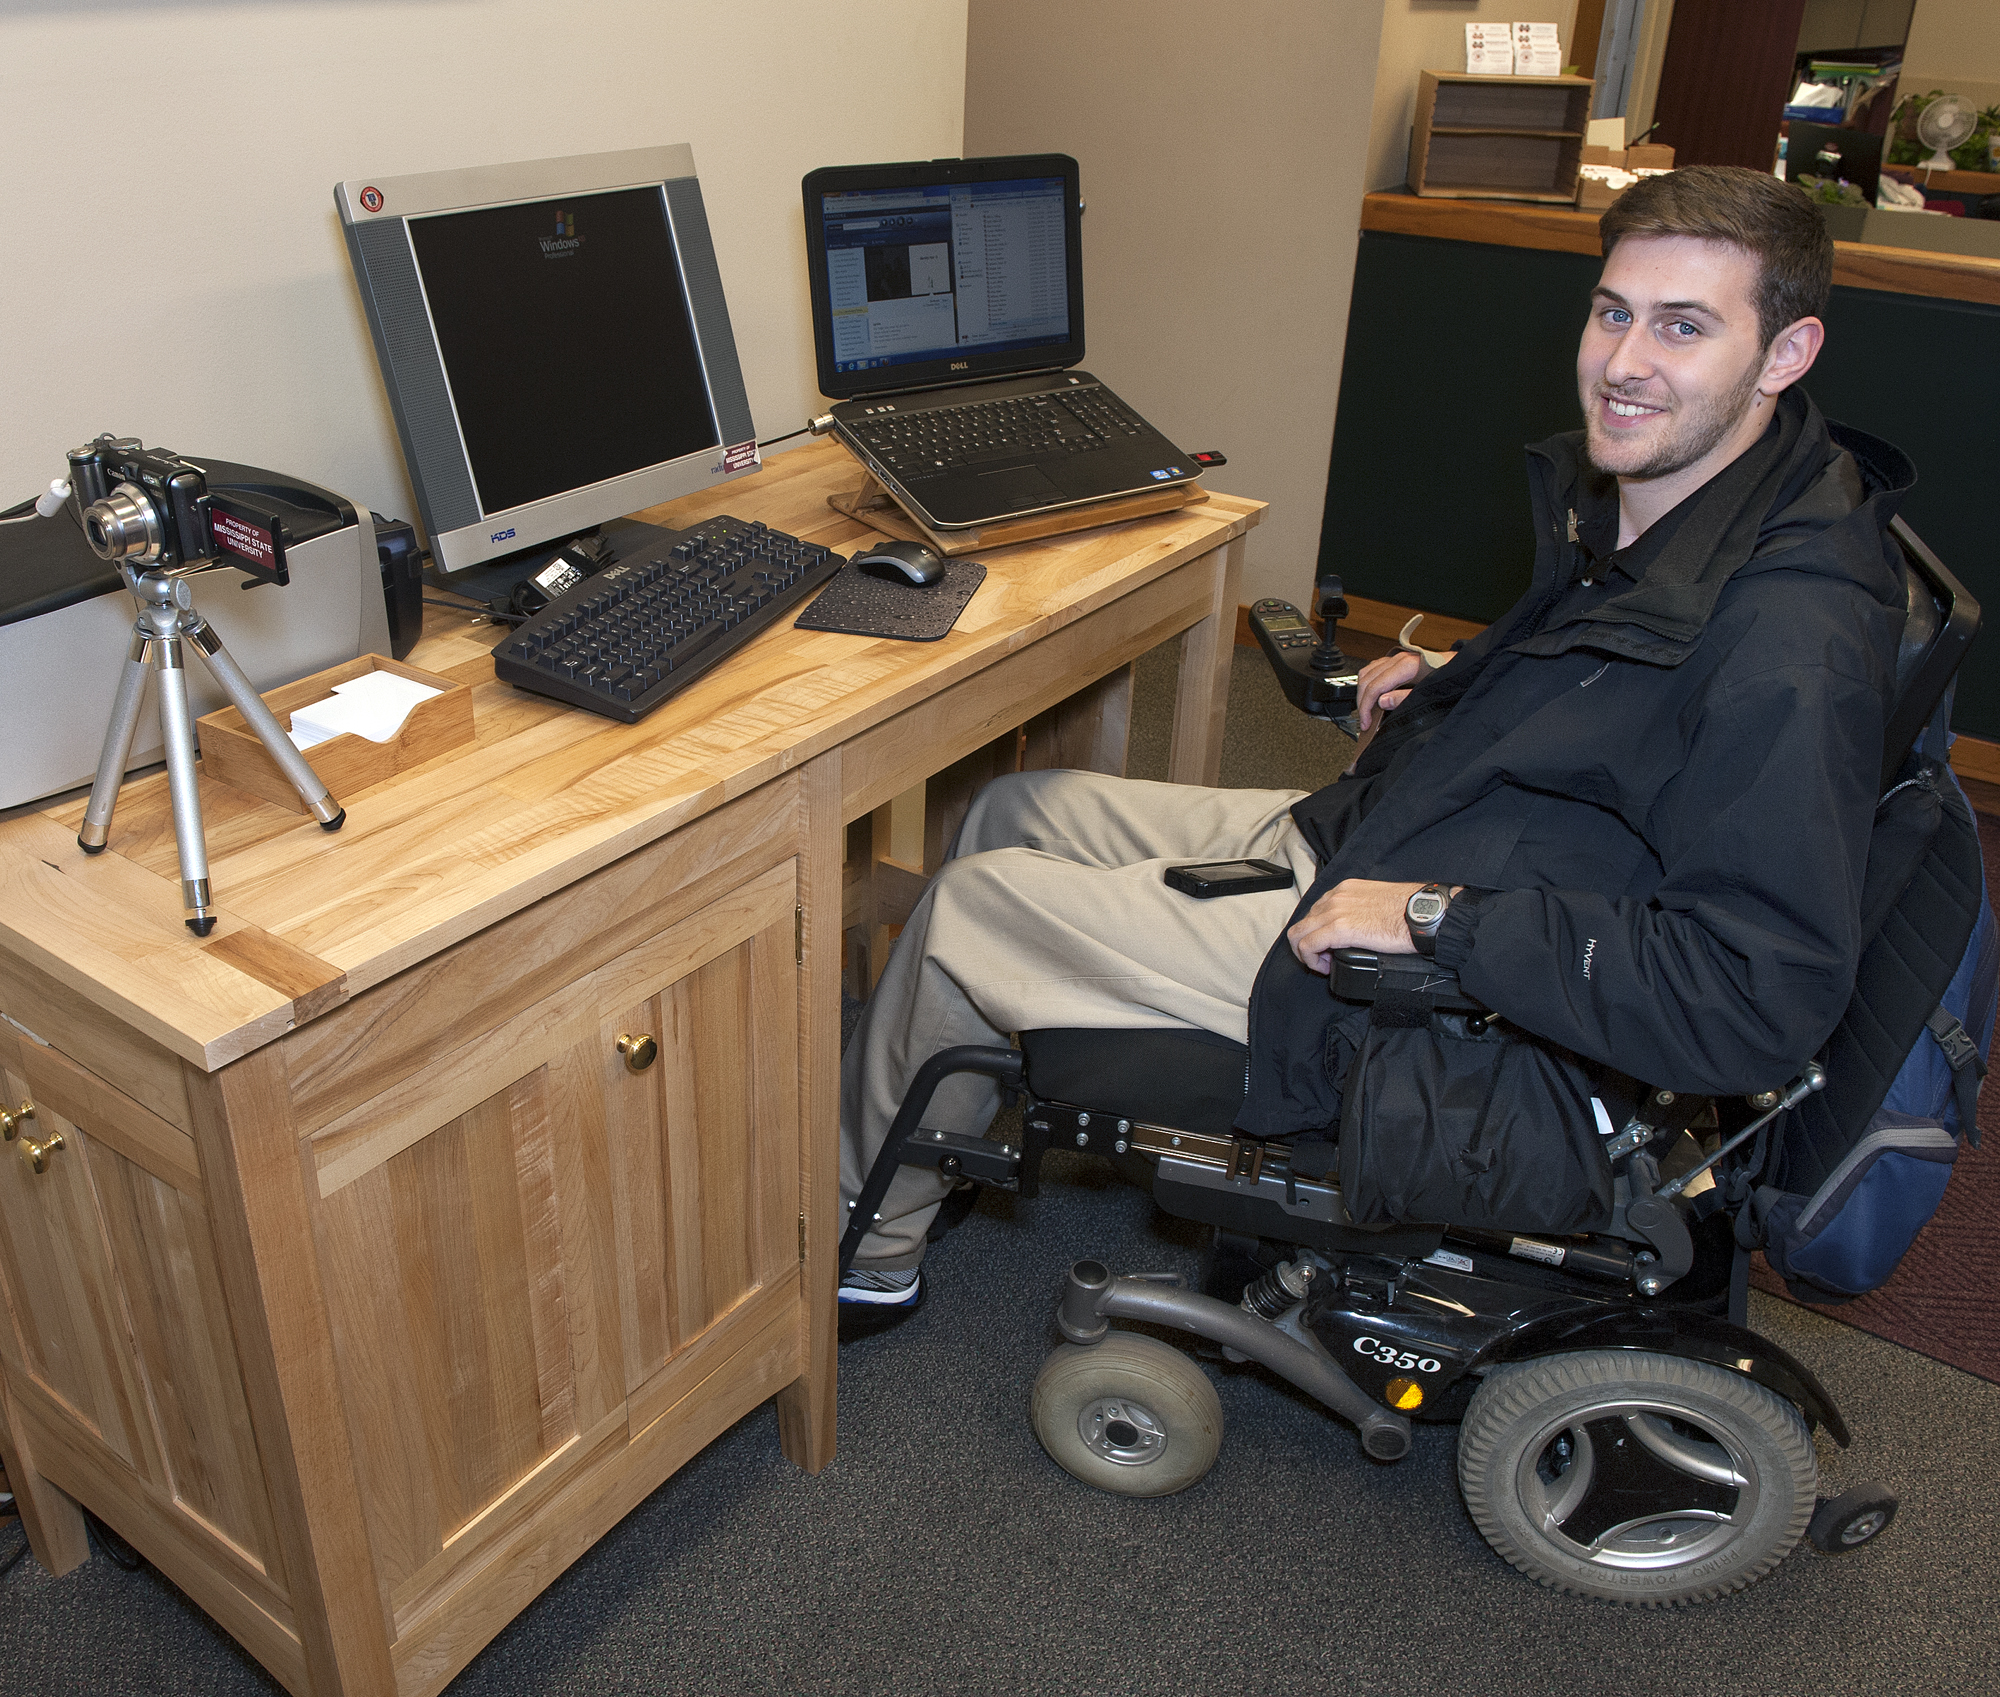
(1632, 815)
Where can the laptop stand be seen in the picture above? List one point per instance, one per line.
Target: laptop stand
(875, 506)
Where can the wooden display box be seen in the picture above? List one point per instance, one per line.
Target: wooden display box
(231, 753)
(1498, 138)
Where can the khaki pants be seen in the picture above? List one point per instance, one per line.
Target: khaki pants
(1051, 912)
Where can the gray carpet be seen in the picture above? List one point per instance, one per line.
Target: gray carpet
(943, 1552)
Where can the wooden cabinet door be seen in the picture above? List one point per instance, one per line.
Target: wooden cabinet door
(704, 1141)
(68, 1337)
(118, 1325)
(527, 1232)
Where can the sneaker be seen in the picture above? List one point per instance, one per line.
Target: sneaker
(874, 1299)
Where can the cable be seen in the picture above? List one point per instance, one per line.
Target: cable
(773, 440)
(479, 607)
(116, 1550)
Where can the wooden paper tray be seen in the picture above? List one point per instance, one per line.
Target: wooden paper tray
(231, 753)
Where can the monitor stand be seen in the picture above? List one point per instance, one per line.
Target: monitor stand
(492, 585)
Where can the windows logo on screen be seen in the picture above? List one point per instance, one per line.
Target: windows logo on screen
(565, 241)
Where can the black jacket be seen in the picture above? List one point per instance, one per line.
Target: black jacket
(1662, 802)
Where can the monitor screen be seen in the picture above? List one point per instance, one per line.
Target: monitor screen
(566, 342)
(554, 341)
(933, 272)
(919, 273)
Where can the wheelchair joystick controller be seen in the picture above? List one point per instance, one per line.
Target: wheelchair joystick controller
(1316, 676)
(1328, 592)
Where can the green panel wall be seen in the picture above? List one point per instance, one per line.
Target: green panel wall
(1460, 354)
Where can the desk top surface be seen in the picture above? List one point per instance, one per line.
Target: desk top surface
(542, 796)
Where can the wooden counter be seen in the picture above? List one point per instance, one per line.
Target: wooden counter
(369, 1284)
(1558, 229)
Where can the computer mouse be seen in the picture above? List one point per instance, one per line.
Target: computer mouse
(901, 562)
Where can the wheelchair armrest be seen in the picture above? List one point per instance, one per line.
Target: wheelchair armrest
(1359, 975)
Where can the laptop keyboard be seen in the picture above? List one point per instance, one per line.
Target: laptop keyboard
(622, 642)
(980, 434)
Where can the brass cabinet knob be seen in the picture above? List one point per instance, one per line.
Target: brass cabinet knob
(10, 1122)
(639, 1052)
(37, 1154)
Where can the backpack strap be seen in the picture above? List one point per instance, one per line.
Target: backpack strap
(1968, 1070)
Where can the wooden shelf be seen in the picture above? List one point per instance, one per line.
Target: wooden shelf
(1496, 130)
(1498, 138)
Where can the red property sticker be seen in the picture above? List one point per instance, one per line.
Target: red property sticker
(242, 538)
(371, 200)
(741, 457)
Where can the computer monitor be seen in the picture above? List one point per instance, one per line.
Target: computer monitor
(554, 340)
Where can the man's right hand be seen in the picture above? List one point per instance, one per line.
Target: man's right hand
(1384, 683)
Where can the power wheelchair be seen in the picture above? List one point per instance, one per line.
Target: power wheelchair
(1623, 1433)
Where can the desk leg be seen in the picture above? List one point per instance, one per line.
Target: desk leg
(50, 1517)
(1087, 733)
(949, 793)
(806, 1405)
(1203, 695)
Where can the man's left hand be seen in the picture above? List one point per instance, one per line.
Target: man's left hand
(1357, 913)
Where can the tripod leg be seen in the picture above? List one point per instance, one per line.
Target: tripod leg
(330, 814)
(111, 763)
(177, 727)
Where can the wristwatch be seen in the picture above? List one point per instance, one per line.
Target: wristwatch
(1423, 913)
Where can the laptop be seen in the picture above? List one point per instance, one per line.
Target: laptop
(947, 303)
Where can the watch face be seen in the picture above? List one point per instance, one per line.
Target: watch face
(1426, 907)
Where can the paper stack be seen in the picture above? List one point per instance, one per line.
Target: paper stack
(373, 705)
(1518, 50)
(1489, 50)
(1537, 52)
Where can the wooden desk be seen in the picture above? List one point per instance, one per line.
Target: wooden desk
(371, 1286)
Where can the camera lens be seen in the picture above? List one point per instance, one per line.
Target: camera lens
(125, 525)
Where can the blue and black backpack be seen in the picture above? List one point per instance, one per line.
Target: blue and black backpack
(1862, 1165)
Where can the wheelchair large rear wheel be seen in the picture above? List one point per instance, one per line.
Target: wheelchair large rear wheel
(1131, 1415)
(1636, 1477)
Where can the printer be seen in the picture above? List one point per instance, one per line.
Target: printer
(66, 622)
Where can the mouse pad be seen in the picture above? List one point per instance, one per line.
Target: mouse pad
(859, 605)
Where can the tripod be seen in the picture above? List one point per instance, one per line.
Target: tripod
(167, 620)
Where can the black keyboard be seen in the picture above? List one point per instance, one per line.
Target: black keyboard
(914, 445)
(622, 642)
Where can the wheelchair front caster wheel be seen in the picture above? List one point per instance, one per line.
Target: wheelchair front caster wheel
(1853, 1518)
(1130, 1415)
(1635, 1477)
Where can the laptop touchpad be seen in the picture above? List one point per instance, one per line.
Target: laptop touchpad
(1017, 487)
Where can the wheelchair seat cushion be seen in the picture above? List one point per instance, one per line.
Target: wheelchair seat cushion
(1189, 1080)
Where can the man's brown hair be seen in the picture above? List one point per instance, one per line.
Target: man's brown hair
(1770, 220)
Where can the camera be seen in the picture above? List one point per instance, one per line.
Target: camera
(147, 509)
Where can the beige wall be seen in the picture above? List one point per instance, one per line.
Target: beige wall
(1853, 23)
(1429, 35)
(1221, 149)
(1954, 45)
(176, 267)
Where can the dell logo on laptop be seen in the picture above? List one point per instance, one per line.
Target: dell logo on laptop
(961, 365)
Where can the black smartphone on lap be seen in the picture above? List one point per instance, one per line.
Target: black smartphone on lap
(1207, 879)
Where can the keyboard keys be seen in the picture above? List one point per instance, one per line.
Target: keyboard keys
(623, 642)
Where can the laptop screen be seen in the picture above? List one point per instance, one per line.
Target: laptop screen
(939, 273)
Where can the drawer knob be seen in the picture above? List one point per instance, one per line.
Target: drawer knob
(10, 1121)
(639, 1052)
(37, 1154)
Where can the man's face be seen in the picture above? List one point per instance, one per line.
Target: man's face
(1669, 364)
